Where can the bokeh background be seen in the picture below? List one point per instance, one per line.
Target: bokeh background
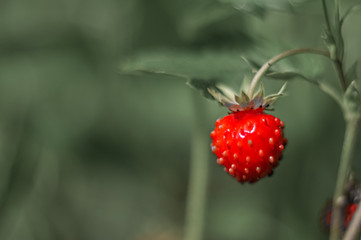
(90, 149)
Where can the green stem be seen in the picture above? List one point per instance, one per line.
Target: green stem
(277, 58)
(325, 13)
(341, 75)
(343, 174)
(336, 37)
(198, 176)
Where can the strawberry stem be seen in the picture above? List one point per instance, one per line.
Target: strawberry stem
(336, 37)
(341, 75)
(348, 149)
(198, 176)
(277, 58)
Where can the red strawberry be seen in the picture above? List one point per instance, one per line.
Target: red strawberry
(348, 212)
(353, 192)
(247, 142)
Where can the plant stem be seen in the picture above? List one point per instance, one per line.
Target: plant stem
(198, 176)
(353, 230)
(336, 36)
(325, 13)
(343, 173)
(277, 58)
(340, 73)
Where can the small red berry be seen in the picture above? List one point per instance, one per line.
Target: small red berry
(348, 211)
(248, 143)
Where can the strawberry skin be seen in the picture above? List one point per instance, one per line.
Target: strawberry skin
(248, 144)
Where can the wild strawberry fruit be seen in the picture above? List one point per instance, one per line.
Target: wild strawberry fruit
(348, 210)
(247, 142)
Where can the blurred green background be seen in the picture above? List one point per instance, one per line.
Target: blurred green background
(91, 152)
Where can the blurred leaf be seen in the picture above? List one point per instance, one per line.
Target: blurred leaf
(351, 73)
(254, 66)
(329, 90)
(259, 8)
(203, 86)
(354, 9)
(193, 24)
(288, 76)
(225, 65)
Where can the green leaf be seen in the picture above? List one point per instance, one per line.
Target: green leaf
(288, 76)
(270, 99)
(351, 73)
(332, 92)
(214, 17)
(349, 12)
(352, 100)
(203, 86)
(211, 64)
(252, 64)
(260, 7)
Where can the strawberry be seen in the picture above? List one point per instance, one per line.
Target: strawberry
(348, 211)
(247, 142)
(352, 200)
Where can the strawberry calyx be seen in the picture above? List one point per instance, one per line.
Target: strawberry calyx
(241, 102)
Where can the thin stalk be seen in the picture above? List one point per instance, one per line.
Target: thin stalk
(325, 13)
(338, 33)
(348, 149)
(336, 36)
(341, 75)
(277, 58)
(198, 176)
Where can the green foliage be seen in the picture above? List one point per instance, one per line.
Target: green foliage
(259, 8)
(351, 73)
(86, 152)
(203, 86)
(353, 9)
(225, 65)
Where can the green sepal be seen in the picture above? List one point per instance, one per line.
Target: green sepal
(270, 99)
(228, 92)
(349, 12)
(243, 100)
(258, 98)
(225, 101)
